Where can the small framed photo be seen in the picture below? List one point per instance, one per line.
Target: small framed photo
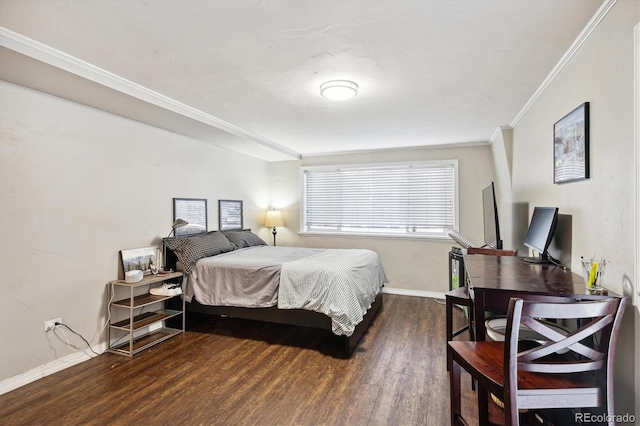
(229, 215)
(571, 146)
(192, 210)
(143, 259)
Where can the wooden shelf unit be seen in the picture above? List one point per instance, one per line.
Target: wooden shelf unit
(145, 341)
(137, 322)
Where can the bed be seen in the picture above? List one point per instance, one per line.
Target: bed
(236, 274)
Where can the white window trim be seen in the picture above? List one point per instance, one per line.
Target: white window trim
(456, 190)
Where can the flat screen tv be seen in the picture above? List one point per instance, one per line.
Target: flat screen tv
(541, 229)
(490, 215)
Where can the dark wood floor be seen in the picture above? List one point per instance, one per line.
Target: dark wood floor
(236, 372)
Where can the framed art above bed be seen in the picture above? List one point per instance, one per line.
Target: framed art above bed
(192, 210)
(230, 215)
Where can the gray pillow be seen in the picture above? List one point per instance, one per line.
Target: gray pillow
(243, 239)
(191, 249)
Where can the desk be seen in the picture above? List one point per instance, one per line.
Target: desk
(493, 280)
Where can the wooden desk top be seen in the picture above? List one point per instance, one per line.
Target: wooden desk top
(512, 273)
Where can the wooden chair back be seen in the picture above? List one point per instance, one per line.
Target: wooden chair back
(599, 322)
(492, 252)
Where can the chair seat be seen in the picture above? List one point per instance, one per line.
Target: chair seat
(485, 361)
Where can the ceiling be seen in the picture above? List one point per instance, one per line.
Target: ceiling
(245, 75)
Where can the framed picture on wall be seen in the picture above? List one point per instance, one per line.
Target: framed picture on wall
(571, 146)
(192, 210)
(230, 214)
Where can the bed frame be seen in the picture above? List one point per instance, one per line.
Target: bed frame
(297, 317)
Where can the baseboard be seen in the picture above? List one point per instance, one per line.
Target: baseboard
(416, 293)
(12, 383)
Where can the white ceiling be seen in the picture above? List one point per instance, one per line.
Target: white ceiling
(246, 74)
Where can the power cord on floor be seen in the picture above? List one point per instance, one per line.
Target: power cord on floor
(89, 345)
(77, 334)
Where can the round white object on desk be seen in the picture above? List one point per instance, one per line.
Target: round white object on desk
(133, 276)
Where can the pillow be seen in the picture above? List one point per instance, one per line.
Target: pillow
(191, 249)
(244, 239)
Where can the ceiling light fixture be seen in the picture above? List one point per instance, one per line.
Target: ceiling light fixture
(339, 90)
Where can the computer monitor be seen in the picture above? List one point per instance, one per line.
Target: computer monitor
(541, 229)
(490, 215)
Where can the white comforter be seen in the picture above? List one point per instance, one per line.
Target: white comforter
(340, 283)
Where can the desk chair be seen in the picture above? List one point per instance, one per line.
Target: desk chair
(536, 378)
(460, 296)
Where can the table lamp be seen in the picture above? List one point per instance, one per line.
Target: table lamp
(273, 219)
(179, 223)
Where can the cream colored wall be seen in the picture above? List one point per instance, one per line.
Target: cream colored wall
(602, 207)
(420, 265)
(76, 186)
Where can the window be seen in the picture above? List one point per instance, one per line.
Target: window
(408, 199)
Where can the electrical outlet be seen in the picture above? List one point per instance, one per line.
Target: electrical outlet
(51, 324)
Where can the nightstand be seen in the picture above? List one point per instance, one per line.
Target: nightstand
(145, 323)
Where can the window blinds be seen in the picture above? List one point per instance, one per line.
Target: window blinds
(398, 199)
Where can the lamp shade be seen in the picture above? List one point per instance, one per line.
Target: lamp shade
(179, 223)
(273, 219)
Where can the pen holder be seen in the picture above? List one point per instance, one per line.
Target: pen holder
(593, 273)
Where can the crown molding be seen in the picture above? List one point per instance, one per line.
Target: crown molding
(398, 149)
(582, 37)
(497, 132)
(49, 55)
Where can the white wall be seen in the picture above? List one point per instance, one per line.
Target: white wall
(410, 264)
(602, 207)
(77, 185)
